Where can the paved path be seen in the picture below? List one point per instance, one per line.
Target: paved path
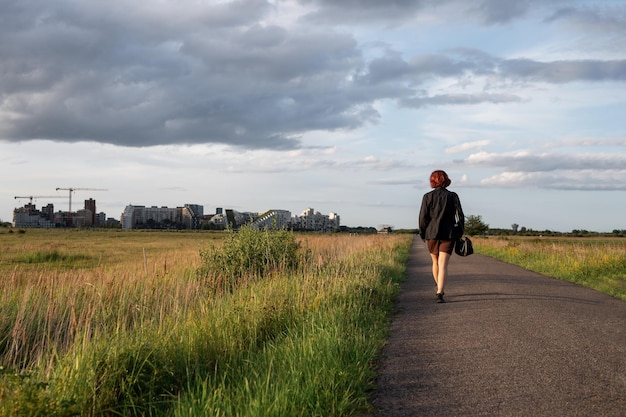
(507, 342)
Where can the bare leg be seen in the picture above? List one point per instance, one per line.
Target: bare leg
(435, 259)
(442, 270)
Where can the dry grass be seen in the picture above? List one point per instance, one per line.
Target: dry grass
(115, 322)
(122, 280)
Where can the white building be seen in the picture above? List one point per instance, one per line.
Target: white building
(29, 216)
(191, 216)
(272, 219)
(187, 217)
(311, 219)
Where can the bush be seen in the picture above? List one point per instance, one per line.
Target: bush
(23, 394)
(249, 254)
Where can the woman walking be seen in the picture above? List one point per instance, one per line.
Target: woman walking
(438, 215)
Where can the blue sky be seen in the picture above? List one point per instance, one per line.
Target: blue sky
(343, 106)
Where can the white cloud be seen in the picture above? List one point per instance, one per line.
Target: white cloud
(587, 142)
(467, 146)
(527, 161)
(587, 180)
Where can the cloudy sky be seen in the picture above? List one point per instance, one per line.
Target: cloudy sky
(339, 105)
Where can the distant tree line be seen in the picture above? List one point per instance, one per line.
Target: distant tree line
(475, 226)
(523, 231)
(358, 229)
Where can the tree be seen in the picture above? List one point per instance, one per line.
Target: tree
(515, 226)
(474, 225)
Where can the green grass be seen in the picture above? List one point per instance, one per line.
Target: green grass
(55, 257)
(298, 339)
(595, 263)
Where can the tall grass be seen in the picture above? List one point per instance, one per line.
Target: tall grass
(597, 264)
(250, 254)
(118, 338)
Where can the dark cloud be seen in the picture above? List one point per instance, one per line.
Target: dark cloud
(459, 99)
(466, 61)
(387, 69)
(359, 11)
(564, 71)
(604, 17)
(148, 77)
(498, 11)
(142, 73)
(388, 12)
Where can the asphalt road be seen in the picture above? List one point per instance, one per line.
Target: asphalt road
(507, 342)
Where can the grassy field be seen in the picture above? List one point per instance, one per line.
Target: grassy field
(107, 323)
(595, 263)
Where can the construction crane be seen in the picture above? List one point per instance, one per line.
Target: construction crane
(71, 190)
(31, 197)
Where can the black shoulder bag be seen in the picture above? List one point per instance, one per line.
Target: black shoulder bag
(462, 243)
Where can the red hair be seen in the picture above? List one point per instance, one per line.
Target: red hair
(439, 179)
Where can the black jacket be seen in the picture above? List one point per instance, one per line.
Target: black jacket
(437, 214)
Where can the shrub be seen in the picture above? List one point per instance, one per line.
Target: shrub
(23, 394)
(249, 254)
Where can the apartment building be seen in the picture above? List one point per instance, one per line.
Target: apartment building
(311, 219)
(273, 219)
(191, 216)
(30, 216)
(141, 217)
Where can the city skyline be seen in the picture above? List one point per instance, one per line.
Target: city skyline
(47, 215)
(342, 106)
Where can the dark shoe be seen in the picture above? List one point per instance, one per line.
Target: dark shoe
(440, 298)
